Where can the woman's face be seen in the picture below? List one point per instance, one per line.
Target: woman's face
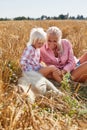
(52, 41)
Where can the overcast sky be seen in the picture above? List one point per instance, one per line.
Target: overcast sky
(37, 8)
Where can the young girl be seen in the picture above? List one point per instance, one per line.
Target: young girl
(30, 59)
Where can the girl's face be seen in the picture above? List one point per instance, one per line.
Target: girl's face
(38, 44)
(52, 41)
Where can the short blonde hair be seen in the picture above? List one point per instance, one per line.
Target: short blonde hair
(37, 34)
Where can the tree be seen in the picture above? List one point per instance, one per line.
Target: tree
(43, 17)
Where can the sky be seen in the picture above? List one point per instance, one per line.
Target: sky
(37, 8)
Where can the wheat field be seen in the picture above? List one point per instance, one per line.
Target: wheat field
(49, 112)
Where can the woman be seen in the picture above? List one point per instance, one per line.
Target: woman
(57, 51)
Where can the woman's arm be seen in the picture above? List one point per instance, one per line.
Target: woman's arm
(71, 60)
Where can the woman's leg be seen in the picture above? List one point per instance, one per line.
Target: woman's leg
(51, 72)
(80, 73)
(83, 58)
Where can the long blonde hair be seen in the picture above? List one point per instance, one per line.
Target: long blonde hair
(56, 31)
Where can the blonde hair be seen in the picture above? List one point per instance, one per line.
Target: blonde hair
(37, 34)
(56, 31)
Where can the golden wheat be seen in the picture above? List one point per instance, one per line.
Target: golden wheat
(50, 112)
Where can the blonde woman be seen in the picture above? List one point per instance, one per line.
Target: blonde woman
(58, 52)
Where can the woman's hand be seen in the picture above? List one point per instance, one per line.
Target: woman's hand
(58, 71)
(63, 72)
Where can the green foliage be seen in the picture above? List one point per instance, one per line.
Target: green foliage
(74, 106)
(71, 101)
(65, 82)
(83, 112)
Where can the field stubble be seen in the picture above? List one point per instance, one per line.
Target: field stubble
(49, 112)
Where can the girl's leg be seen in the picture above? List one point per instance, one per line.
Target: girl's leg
(80, 73)
(83, 58)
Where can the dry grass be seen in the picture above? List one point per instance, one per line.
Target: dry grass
(49, 112)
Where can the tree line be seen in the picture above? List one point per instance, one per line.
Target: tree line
(44, 17)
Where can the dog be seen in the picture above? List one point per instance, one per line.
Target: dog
(34, 84)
